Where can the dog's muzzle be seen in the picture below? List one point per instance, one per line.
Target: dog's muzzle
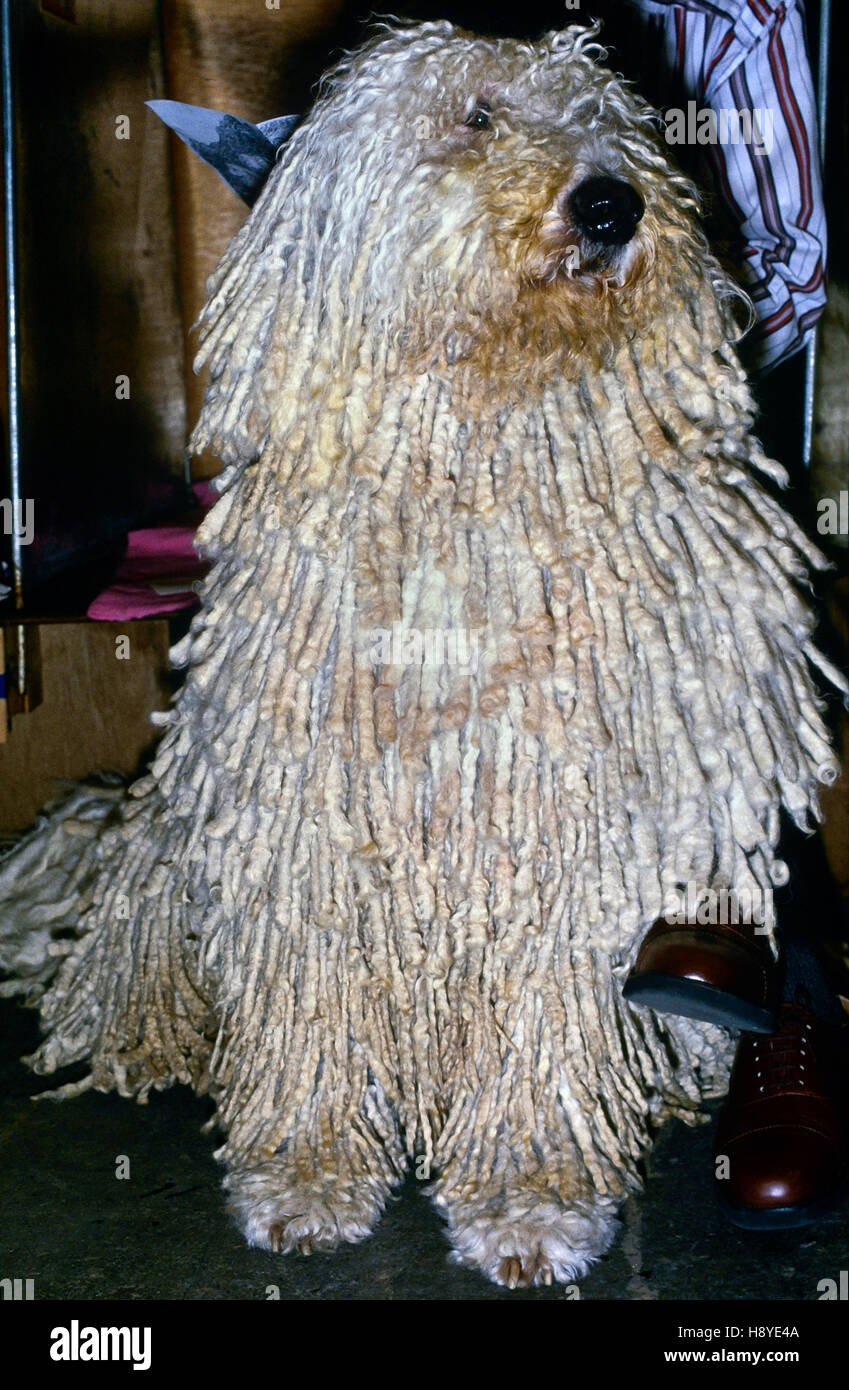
(606, 210)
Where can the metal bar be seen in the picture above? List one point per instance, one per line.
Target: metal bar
(10, 233)
(822, 117)
(12, 341)
(822, 74)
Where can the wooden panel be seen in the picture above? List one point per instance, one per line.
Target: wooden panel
(97, 254)
(95, 713)
(255, 62)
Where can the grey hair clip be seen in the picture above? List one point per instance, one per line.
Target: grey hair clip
(243, 154)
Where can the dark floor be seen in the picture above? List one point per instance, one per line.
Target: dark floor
(69, 1224)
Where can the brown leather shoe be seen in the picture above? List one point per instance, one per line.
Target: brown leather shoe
(783, 1131)
(720, 974)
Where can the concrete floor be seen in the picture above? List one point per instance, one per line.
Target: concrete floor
(69, 1224)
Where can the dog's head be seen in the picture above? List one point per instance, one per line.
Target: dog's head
(451, 201)
(511, 193)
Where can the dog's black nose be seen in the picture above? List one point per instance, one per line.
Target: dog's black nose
(606, 210)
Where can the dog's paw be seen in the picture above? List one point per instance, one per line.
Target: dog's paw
(277, 1212)
(520, 1239)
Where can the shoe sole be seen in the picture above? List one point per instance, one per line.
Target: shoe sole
(782, 1218)
(671, 994)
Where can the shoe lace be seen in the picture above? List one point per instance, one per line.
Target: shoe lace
(784, 1060)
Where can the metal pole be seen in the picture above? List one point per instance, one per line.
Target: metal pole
(12, 342)
(822, 116)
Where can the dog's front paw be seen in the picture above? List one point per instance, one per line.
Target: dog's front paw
(521, 1238)
(278, 1211)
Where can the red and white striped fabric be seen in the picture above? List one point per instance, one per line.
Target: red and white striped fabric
(752, 54)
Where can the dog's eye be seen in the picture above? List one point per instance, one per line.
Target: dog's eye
(479, 119)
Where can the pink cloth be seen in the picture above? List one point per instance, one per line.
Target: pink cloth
(157, 573)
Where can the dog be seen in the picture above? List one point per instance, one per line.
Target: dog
(472, 377)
